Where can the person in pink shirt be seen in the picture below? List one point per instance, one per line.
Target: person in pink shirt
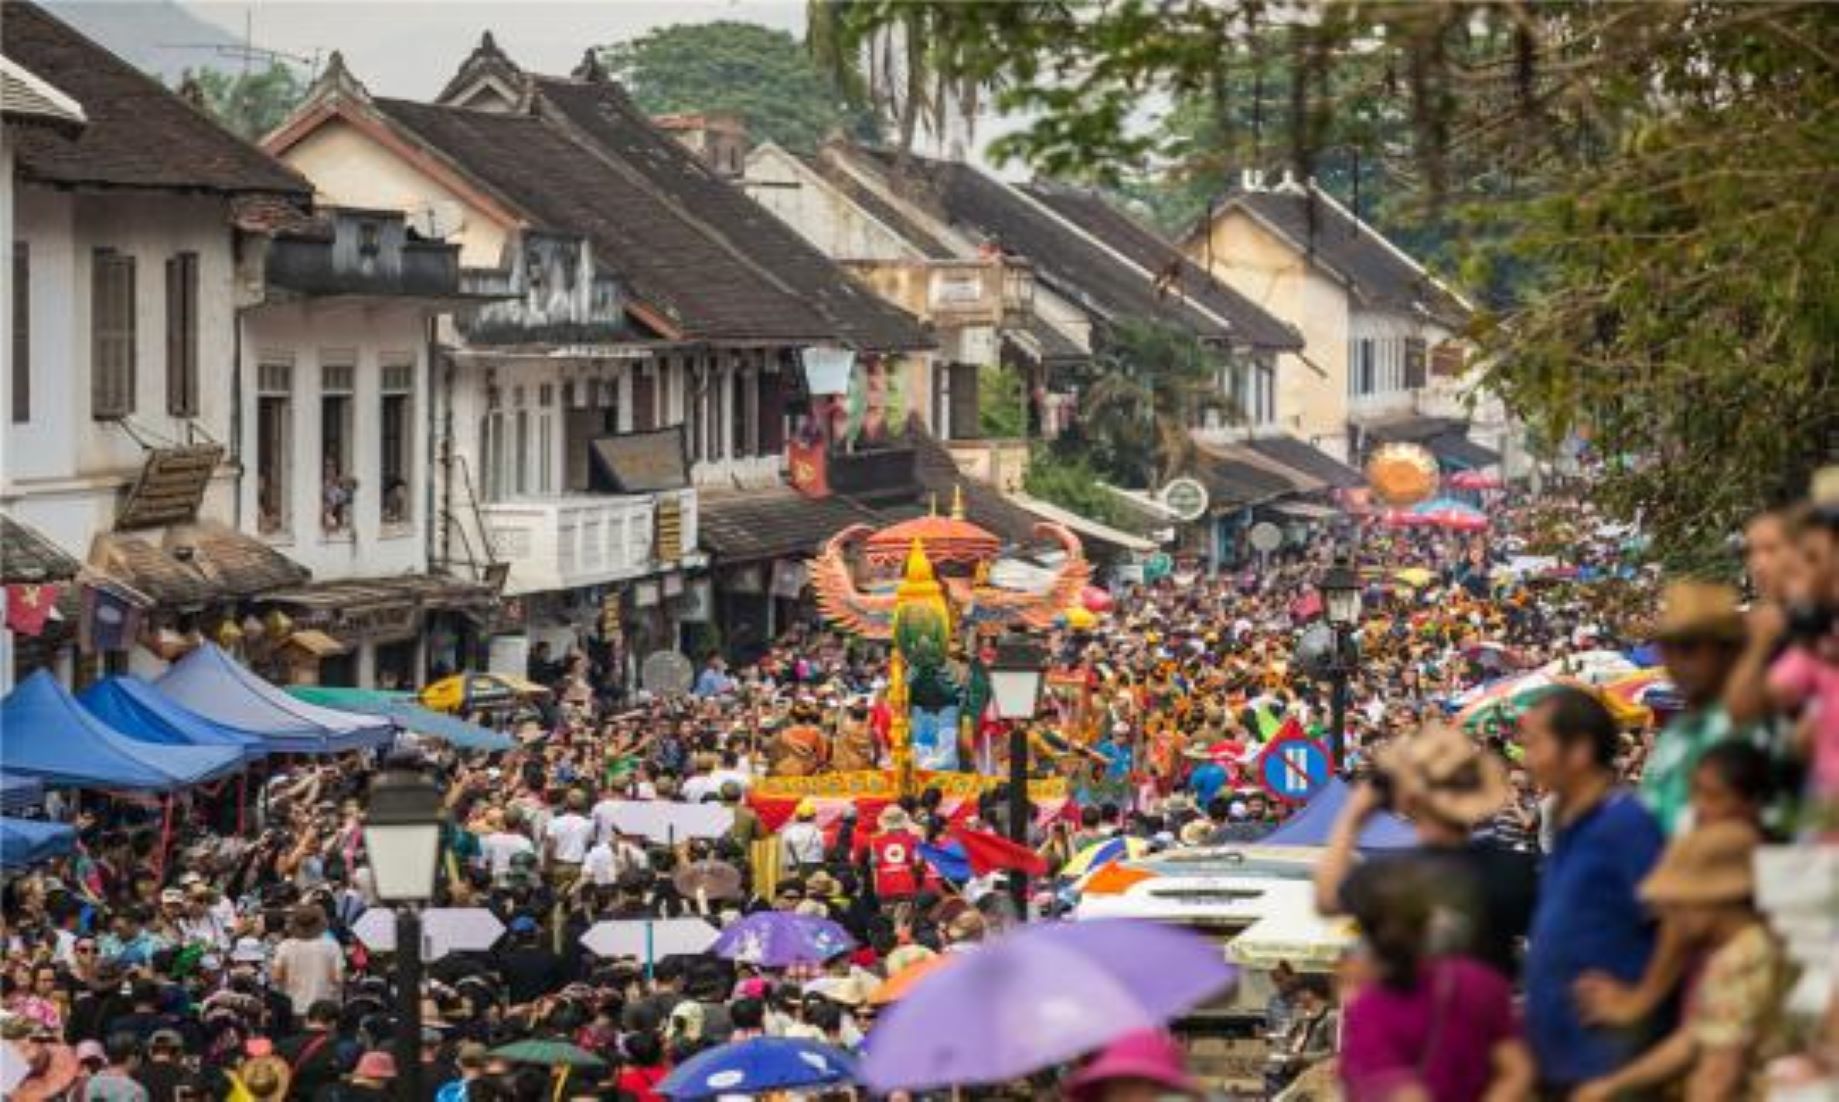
(1804, 680)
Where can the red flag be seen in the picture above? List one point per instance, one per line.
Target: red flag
(29, 606)
(989, 852)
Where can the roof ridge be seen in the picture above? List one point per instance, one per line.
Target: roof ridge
(573, 132)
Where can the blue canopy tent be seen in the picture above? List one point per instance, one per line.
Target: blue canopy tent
(48, 735)
(18, 793)
(1315, 822)
(214, 685)
(140, 711)
(27, 842)
(401, 709)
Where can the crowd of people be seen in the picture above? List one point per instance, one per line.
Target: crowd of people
(1578, 918)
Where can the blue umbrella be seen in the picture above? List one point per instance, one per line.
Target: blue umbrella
(760, 1065)
(778, 939)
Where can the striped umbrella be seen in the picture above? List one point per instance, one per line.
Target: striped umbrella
(1103, 853)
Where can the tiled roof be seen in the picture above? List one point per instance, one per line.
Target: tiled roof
(748, 526)
(601, 111)
(1072, 266)
(139, 135)
(27, 555)
(1350, 249)
(196, 564)
(1310, 460)
(1233, 482)
(1045, 341)
(880, 209)
(24, 97)
(1176, 274)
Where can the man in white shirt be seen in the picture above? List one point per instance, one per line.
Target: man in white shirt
(567, 840)
(803, 840)
(602, 814)
(502, 841)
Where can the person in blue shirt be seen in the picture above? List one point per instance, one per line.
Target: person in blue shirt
(714, 679)
(1588, 918)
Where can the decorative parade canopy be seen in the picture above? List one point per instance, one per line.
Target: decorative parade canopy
(946, 540)
(1402, 475)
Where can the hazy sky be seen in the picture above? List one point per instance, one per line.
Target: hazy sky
(410, 48)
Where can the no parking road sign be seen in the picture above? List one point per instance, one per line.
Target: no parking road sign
(1293, 767)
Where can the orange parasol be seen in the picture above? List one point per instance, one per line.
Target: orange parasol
(896, 986)
(1402, 475)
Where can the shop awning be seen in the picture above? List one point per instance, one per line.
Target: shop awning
(1304, 510)
(51, 737)
(1300, 456)
(1086, 527)
(1233, 482)
(1458, 451)
(140, 711)
(401, 709)
(742, 526)
(216, 686)
(27, 556)
(196, 564)
(28, 842)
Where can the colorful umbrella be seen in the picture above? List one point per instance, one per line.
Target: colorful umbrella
(758, 1066)
(1592, 667)
(1402, 475)
(464, 692)
(1445, 512)
(779, 939)
(549, 1054)
(1039, 997)
(1104, 853)
(1416, 577)
(896, 986)
(1474, 480)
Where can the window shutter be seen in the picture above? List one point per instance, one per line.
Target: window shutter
(643, 400)
(966, 422)
(111, 335)
(182, 335)
(22, 333)
(772, 413)
(1414, 363)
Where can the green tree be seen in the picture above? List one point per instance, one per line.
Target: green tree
(1664, 175)
(253, 103)
(1072, 482)
(763, 75)
(1002, 407)
(1151, 384)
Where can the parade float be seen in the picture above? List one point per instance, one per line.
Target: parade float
(923, 587)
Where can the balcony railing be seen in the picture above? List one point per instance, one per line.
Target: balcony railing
(589, 539)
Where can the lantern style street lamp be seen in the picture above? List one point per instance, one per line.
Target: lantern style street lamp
(1016, 673)
(1340, 589)
(402, 836)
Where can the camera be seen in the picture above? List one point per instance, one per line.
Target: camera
(1809, 621)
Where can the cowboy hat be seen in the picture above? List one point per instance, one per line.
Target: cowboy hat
(1445, 774)
(1710, 865)
(1694, 611)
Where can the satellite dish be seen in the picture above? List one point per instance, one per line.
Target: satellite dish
(1185, 497)
(1266, 537)
(437, 219)
(666, 673)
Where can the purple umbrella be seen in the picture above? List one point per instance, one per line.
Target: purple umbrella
(776, 939)
(1040, 997)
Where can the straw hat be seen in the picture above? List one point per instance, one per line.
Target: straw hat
(1695, 611)
(1708, 866)
(266, 1077)
(1446, 774)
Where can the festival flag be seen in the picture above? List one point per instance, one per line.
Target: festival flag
(989, 852)
(29, 606)
(948, 860)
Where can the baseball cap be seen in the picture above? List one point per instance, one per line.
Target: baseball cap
(166, 1038)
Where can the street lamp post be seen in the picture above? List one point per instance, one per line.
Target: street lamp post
(1341, 608)
(1015, 687)
(402, 835)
